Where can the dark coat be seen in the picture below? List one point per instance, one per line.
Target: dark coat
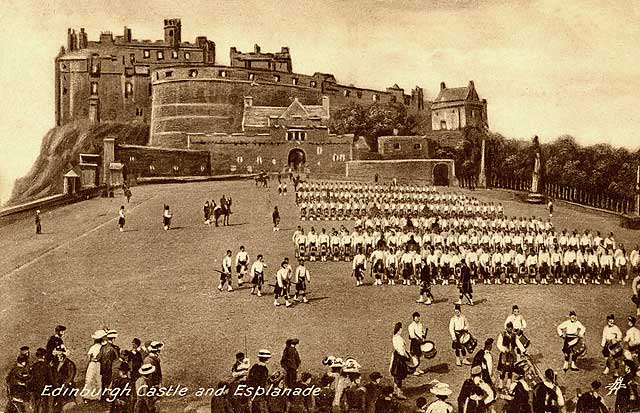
(290, 358)
(41, 375)
(54, 341)
(155, 378)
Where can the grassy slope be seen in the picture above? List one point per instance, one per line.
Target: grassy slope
(62, 145)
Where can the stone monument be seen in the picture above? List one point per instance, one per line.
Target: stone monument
(535, 196)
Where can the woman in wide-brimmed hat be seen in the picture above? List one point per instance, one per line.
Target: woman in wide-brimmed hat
(93, 381)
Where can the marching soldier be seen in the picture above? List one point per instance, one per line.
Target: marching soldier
(257, 275)
(242, 264)
(225, 274)
(300, 279)
(611, 337)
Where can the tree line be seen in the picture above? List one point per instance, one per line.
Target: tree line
(598, 168)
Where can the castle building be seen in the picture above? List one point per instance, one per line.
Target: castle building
(456, 108)
(275, 138)
(109, 79)
(278, 62)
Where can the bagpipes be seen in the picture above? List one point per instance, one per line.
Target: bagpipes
(636, 300)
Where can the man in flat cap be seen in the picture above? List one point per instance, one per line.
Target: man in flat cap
(290, 362)
(17, 382)
(64, 373)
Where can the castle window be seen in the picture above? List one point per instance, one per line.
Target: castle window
(296, 136)
(176, 168)
(187, 56)
(193, 73)
(294, 81)
(394, 99)
(376, 97)
(343, 157)
(443, 124)
(259, 160)
(313, 83)
(396, 146)
(252, 76)
(202, 168)
(319, 150)
(168, 73)
(346, 93)
(132, 159)
(149, 90)
(152, 168)
(239, 159)
(64, 90)
(95, 69)
(132, 58)
(273, 161)
(94, 88)
(222, 73)
(335, 157)
(128, 89)
(417, 146)
(473, 113)
(160, 55)
(276, 78)
(174, 54)
(139, 111)
(146, 54)
(359, 95)
(233, 168)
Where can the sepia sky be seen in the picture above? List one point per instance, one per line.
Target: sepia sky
(546, 67)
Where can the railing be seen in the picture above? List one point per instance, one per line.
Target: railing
(620, 205)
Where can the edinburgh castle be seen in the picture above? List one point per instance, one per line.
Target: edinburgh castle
(254, 114)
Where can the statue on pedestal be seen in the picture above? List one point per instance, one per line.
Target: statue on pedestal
(535, 196)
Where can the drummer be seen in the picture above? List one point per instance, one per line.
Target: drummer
(459, 327)
(417, 335)
(572, 331)
(632, 336)
(611, 338)
(519, 325)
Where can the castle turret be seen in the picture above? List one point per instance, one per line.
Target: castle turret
(173, 32)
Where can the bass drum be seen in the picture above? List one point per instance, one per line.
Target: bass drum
(530, 375)
(579, 348)
(468, 342)
(428, 349)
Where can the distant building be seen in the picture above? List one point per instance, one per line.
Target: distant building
(403, 147)
(278, 62)
(456, 108)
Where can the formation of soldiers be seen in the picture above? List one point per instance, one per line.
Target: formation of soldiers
(415, 233)
(350, 200)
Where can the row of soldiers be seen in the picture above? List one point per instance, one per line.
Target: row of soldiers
(490, 259)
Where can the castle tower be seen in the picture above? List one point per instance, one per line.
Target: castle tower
(173, 32)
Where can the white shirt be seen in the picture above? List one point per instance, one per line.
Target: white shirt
(517, 321)
(399, 345)
(572, 328)
(257, 267)
(242, 256)
(632, 336)
(360, 259)
(611, 334)
(416, 330)
(226, 264)
(457, 324)
(439, 406)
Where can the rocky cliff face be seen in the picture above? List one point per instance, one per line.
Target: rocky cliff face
(61, 146)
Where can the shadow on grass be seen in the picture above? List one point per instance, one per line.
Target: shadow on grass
(440, 300)
(442, 368)
(415, 391)
(588, 363)
(178, 227)
(317, 299)
(480, 301)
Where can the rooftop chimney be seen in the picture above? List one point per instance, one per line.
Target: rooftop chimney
(256, 48)
(471, 85)
(248, 101)
(442, 86)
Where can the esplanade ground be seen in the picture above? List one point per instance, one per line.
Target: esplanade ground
(156, 285)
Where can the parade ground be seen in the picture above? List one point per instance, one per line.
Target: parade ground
(161, 285)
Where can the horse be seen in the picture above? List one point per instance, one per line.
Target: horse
(223, 211)
(264, 179)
